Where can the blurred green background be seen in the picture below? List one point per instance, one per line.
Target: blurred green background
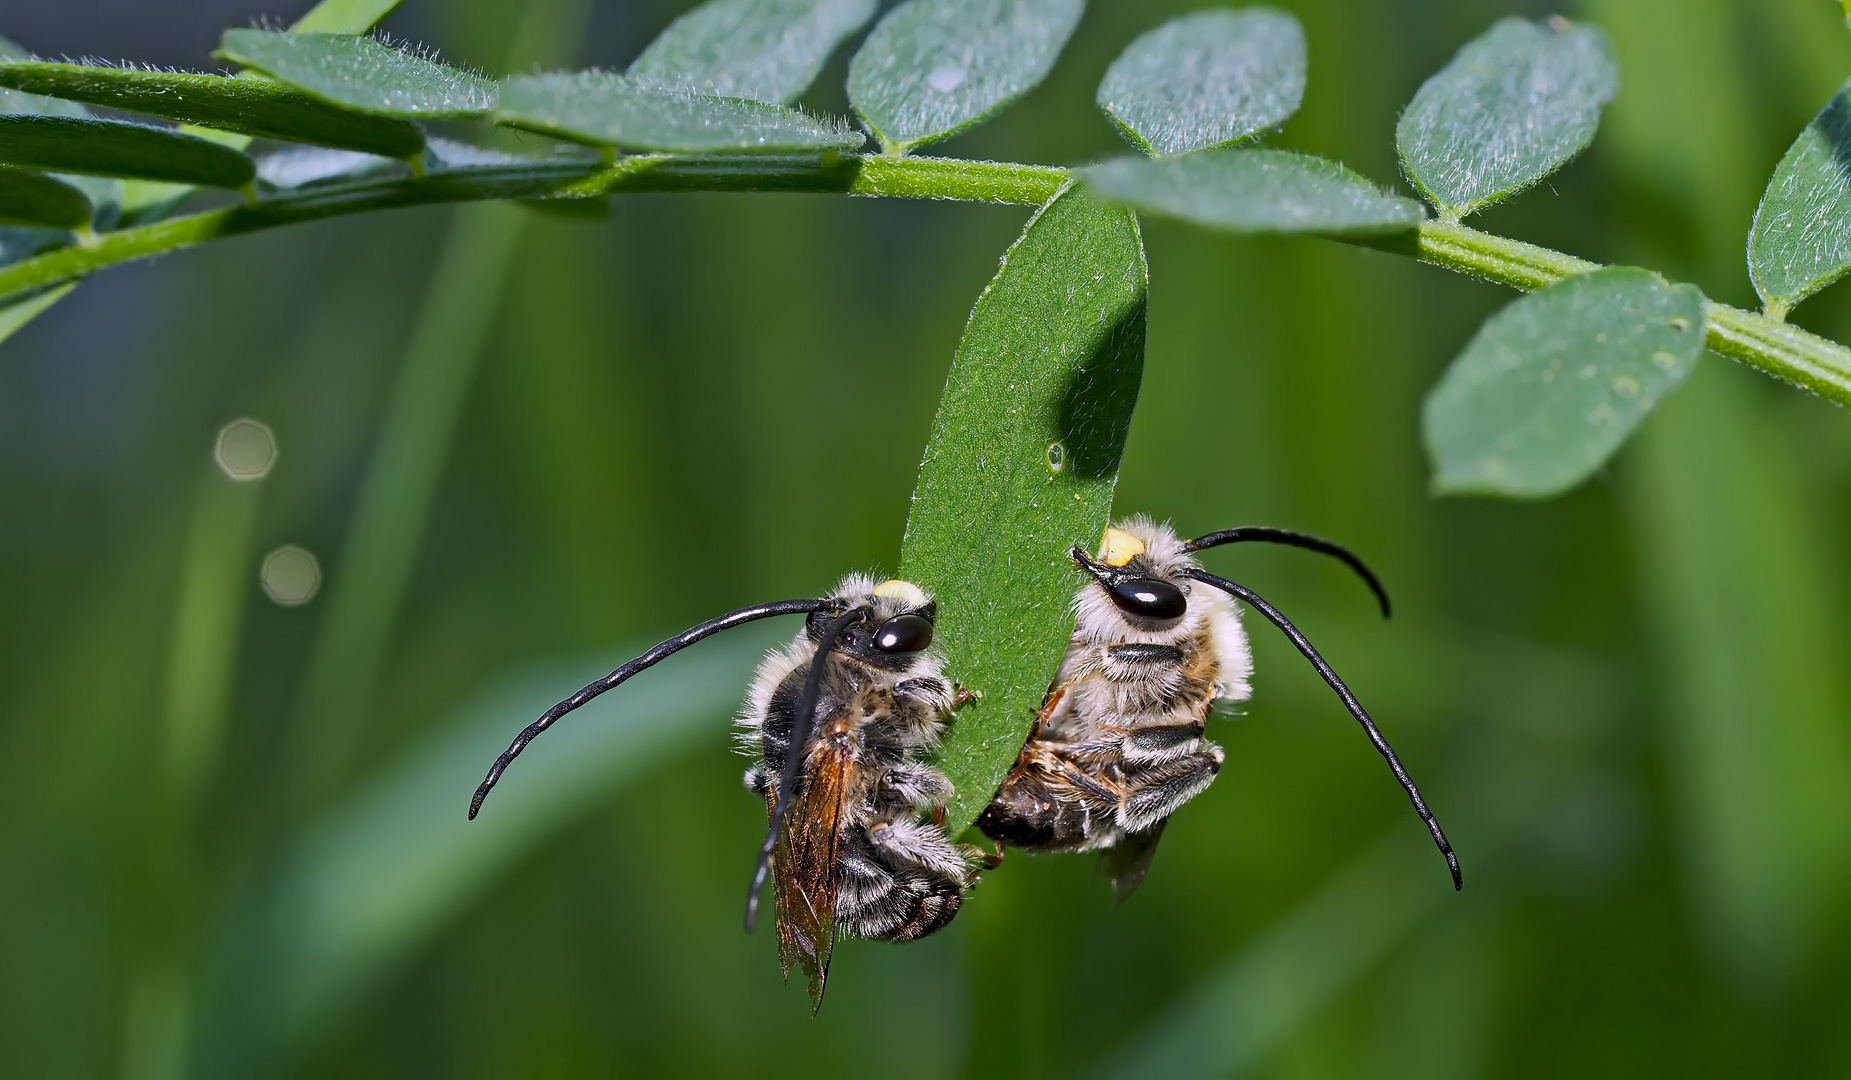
(523, 446)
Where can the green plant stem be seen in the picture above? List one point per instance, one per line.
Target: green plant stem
(1785, 352)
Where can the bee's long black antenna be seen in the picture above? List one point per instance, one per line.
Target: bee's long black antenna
(1268, 535)
(616, 678)
(1349, 702)
(801, 722)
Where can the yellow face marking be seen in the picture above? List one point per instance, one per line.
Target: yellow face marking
(1119, 547)
(896, 589)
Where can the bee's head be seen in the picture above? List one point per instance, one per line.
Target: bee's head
(897, 629)
(1139, 569)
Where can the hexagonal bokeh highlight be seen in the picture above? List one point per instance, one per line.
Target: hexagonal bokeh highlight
(246, 449)
(291, 577)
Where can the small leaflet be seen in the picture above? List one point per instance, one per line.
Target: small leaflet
(115, 148)
(29, 198)
(1256, 191)
(760, 50)
(1513, 106)
(603, 108)
(1552, 385)
(362, 73)
(1802, 236)
(1211, 79)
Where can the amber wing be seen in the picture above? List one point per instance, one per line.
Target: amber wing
(804, 870)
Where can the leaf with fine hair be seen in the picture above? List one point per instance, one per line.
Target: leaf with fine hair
(1210, 79)
(933, 68)
(116, 148)
(1514, 106)
(362, 73)
(29, 198)
(761, 50)
(1802, 236)
(602, 108)
(1021, 465)
(1553, 384)
(1256, 191)
(255, 107)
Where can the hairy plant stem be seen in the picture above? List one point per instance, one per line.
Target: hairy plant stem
(1785, 352)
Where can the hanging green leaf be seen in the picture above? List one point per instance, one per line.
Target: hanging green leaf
(933, 68)
(344, 16)
(1554, 383)
(602, 108)
(17, 311)
(362, 73)
(1802, 236)
(29, 198)
(253, 107)
(1022, 461)
(1256, 191)
(1210, 79)
(114, 148)
(762, 50)
(1514, 106)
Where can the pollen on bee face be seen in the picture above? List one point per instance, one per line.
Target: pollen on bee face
(895, 589)
(1119, 548)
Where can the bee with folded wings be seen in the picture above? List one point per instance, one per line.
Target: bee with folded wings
(857, 842)
(1119, 745)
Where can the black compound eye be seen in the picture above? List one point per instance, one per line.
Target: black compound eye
(904, 633)
(1149, 598)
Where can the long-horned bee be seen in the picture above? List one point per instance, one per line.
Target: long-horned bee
(856, 842)
(1119, 745)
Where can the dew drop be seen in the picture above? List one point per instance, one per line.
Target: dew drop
(945, 79)
(1680, 324)
(1057, 456)
(1664, 361)
(1626, 387)
(1600, 339)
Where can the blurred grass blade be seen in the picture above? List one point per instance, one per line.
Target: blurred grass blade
(1514, 106)
(29, 198)
(1205, 80)
(384, 870)
(1256, 191)
(605, 109)
(344, 16)
(1553, 384)
(253, 107)
(1802, 236)
(1734, 557)
(1237, 1017)
(17, 311)
(762, 50)
(933, 68)
(114, 148)
(1022, 461)
(361, 73)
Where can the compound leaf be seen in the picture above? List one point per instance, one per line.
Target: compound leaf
(1256, 191)
(362, 73)
(1554, 383)
(114, 148)
(1210, 79)
(253, 107)
(762, 50)
(1802, 236)
(29, 198)
(1514, 106)
(606, 109)
(933, 68)
(1021, 464)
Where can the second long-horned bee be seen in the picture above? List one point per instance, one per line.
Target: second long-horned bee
(1119, 744)
(856, 845)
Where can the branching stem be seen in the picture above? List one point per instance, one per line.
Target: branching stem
(1785, 352)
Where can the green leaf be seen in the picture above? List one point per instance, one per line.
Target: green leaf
(1209, 79)
(1554, 383)
(344, 16)
(1022, 461)
(602, 108)
(29, 198)
(247, 106)
(362, 73)
(762, 50)
(17, 311)
(1802, 236)
(1256, 191)
(1514, 106)
(933, 68)
(115, 148)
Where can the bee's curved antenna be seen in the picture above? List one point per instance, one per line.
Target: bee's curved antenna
(1349, 702)
(1268, 535)
(616, 678)
(793, 753)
